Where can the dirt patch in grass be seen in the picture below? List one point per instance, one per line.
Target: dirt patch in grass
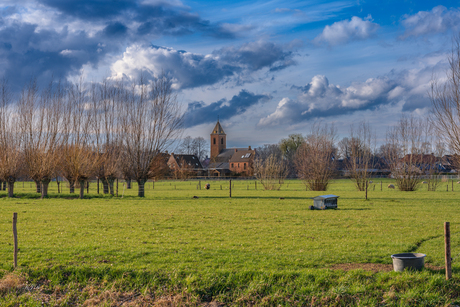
(374, 267)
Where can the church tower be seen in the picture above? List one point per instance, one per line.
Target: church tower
(218, 140)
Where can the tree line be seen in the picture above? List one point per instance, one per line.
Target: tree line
(411, 153)
(108, 130)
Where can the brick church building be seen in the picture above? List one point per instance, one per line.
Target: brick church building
(229, 161)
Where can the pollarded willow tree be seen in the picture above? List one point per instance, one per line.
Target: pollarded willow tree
(11, 159)
(360, 150)
(40, 119)
(151, 120)
(106, 102)
(315, 158)
(271, 171)
(78, 157)
(405, 155)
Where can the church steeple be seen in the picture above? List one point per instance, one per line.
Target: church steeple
(218, 140)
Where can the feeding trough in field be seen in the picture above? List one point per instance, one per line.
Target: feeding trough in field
(324, 202)
(414, 261)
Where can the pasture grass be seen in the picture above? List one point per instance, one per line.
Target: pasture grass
(257, 248)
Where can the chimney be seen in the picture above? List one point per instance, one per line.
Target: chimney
(249, 148)
(236, 149)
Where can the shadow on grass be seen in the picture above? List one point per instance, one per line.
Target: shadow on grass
(56, 196)
(353, 209)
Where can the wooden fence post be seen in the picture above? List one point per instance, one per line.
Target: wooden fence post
(447, 249)
(15, 237)
(381, 185)
(366, 189)
(117, 187)
(230, 188)
(98, 185)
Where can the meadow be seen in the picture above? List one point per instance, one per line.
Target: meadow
(263, 248)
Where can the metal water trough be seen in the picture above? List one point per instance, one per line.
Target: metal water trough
(414, 261)
(325, 202)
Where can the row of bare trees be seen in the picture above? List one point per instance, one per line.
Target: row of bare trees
(107, 130)
(411, 153)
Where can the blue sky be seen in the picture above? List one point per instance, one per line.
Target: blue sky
(266, 68)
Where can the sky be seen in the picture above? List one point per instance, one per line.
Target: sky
(266, 69)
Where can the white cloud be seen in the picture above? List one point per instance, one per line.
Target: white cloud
(319, 98)
(347, 30)
(439, 19)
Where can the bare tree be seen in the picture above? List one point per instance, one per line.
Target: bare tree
(359, 149)
(406, 157)
(270, 171)
(151, 121)
(445, 100)
(193, 146)
(106, 101)
(186, 146)
(40, 119)
(315, 159)
(200, 148)
(11, 158)
(182, 170)
(78, 154)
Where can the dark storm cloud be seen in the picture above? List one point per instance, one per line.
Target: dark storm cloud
(91, 9)
(256, 55)
(57, 47)
(198, 113)
(115, 29)
(193, 70)
(28, 53)
(154, 18)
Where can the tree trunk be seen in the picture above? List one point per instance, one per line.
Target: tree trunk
(82, 188)
(128, 183)
(105, 186)
(38, 186)
(110, 183)
(72, 186)
(10, 188)
(44, 188)
(141, 191)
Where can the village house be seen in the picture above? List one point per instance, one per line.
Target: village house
(229, 161)
(185, 166)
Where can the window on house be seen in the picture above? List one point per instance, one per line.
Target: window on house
(244, 165)
(214, 141)
(222, 141)
(232, 164)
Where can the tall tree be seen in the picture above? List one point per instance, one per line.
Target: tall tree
(315, 159)
(151, 121)
(445, 100)
(40, 121)
(11, 158)
(200, 147)
(405, 153)
(78, 153)
(360, 148)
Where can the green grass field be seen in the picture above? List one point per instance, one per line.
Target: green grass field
(257, 248)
